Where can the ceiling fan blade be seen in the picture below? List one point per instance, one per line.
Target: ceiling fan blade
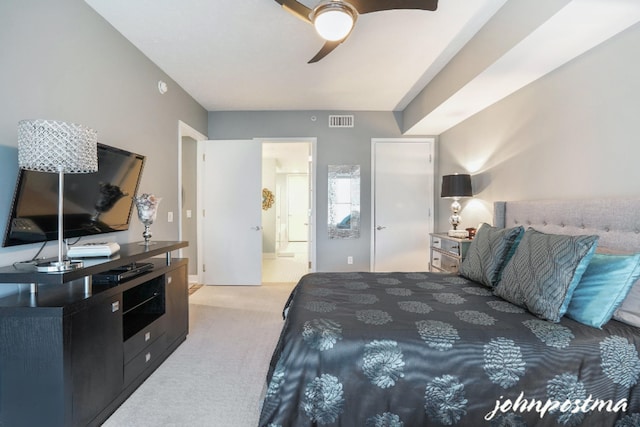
(367, 6)
(326, 49)
(297, 9)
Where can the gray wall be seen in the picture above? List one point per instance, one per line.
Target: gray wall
(60, 60)
(571, 134)
(335, 147)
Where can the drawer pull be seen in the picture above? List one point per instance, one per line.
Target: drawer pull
(115, 306)
(147, 336)
(147, 357)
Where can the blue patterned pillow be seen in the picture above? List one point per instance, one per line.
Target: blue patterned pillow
(489, 252)
(544, 271)
(604, 285)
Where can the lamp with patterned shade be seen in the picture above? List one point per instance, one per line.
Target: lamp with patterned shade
(456, 186)
(57, 147)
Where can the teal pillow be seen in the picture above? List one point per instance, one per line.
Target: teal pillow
(489, 252)
(604, 285)
(544, 271)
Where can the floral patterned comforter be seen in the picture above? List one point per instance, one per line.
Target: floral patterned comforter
(426, 349)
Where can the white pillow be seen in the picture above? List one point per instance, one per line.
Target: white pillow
(629, 310)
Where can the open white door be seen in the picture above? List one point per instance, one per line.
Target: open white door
(402, 204)
(231, 192)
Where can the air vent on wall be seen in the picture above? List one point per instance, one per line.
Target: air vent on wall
(340, 121)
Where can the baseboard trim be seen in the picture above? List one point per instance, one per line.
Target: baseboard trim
(286, 254)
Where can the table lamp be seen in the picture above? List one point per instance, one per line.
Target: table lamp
(57, 147)
(456, 186)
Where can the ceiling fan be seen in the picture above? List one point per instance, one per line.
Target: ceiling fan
(334, 19)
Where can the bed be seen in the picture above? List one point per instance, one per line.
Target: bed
(429, 349)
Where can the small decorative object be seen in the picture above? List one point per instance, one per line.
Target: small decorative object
(472, 232)
(456, 186)
(147, 205)
(268, 199)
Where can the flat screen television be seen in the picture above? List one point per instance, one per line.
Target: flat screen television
(94, 203)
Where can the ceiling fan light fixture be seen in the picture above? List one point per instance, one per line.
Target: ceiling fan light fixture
(334, 20)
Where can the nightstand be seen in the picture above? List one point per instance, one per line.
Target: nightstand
(447, 252)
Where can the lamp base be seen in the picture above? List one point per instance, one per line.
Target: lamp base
(460, 234)
(58, 267)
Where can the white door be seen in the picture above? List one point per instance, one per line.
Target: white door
(298, 207)
(402, 204)
(231, 192)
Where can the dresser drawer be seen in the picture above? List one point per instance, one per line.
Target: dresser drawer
(447, 252)
(444, 262)
(143, 338)
(449, 264)
(436, 259)
(145, 358)
(451, 246)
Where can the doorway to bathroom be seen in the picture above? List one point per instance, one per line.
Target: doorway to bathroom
(287, 210)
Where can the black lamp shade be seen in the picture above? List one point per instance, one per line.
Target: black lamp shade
(458, 185)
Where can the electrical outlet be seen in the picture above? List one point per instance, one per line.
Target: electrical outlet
(170, 216)
(349, 259)
(189, 213)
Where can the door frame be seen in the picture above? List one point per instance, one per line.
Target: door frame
(313, 141)
(431, 183)
(186, 130)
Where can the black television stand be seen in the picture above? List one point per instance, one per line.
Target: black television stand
(79, 348)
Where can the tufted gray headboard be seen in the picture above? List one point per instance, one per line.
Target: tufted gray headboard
(616, 221)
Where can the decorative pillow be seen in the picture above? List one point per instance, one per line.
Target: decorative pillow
(544, 271)
(489, 252)
(604, 285)
(629, 311)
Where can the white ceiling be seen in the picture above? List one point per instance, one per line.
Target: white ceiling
(252, 54)
(244, 55)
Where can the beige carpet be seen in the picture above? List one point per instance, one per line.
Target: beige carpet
(217, 376)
